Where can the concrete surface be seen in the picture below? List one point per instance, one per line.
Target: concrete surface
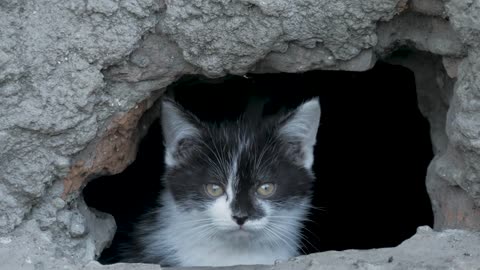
(77, 75)
(450, 249)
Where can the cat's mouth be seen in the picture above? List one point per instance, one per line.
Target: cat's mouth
(243, 231)
(240, 234)
(240, 229)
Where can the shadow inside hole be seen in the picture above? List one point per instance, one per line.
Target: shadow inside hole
(373, 149)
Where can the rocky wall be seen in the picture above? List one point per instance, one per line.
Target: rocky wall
(427, 249)
(76, 77)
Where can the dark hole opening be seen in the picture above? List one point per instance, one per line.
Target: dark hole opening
(373, 149)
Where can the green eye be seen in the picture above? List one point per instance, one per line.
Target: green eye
(214, 190)
(266, 190)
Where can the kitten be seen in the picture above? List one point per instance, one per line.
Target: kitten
(235, 192)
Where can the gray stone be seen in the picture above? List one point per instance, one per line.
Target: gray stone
(77, 76)
(463, 16)
(434, 92)
(52, 103)
(428, 7)
(450, 249)
(463, 129)
(231, 36)
(300, 59)
(416, 31)
(77, 226)
(121, 266)
(451, 65)
(453, 207)
(106, 7)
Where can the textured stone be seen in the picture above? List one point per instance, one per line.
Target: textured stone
(434, 92)
(451, 65)
(461, 165)
(424, 33)
(231, 36)
(463, 16)
(76, 78)
(121, 266)
(450, 249)
(453, 207)
(299, 59)
(453, 178)
(462, 124)
(112, 153)
(428, 7)
(51, 100)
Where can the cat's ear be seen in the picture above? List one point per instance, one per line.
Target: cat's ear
(180, 131)
(299, 131)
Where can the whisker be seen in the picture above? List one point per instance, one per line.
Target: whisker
(303, 219)
(285, 239)
(284, 230)
(286, 222)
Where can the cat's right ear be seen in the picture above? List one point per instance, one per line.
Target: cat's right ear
(180, 132)
(299, 131)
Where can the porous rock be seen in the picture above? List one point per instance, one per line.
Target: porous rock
(76, 76)
(427, 249)
(230, 36)
(53, 104)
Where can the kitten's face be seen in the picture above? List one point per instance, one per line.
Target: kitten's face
(242, 182)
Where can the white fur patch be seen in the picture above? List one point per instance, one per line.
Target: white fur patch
(212, 238)
(207, 238)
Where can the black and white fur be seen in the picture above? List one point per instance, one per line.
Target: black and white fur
(194, 229)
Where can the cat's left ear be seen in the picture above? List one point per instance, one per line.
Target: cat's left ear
(180, 131)
(299, 131)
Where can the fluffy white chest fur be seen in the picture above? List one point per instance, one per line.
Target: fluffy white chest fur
(186, 240)
(221, 253)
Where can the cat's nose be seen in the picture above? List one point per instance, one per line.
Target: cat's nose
(240, 219)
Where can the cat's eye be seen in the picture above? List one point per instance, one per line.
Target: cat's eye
(214, 190)
(266, 190)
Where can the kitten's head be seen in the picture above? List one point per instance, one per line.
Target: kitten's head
(245, 180)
